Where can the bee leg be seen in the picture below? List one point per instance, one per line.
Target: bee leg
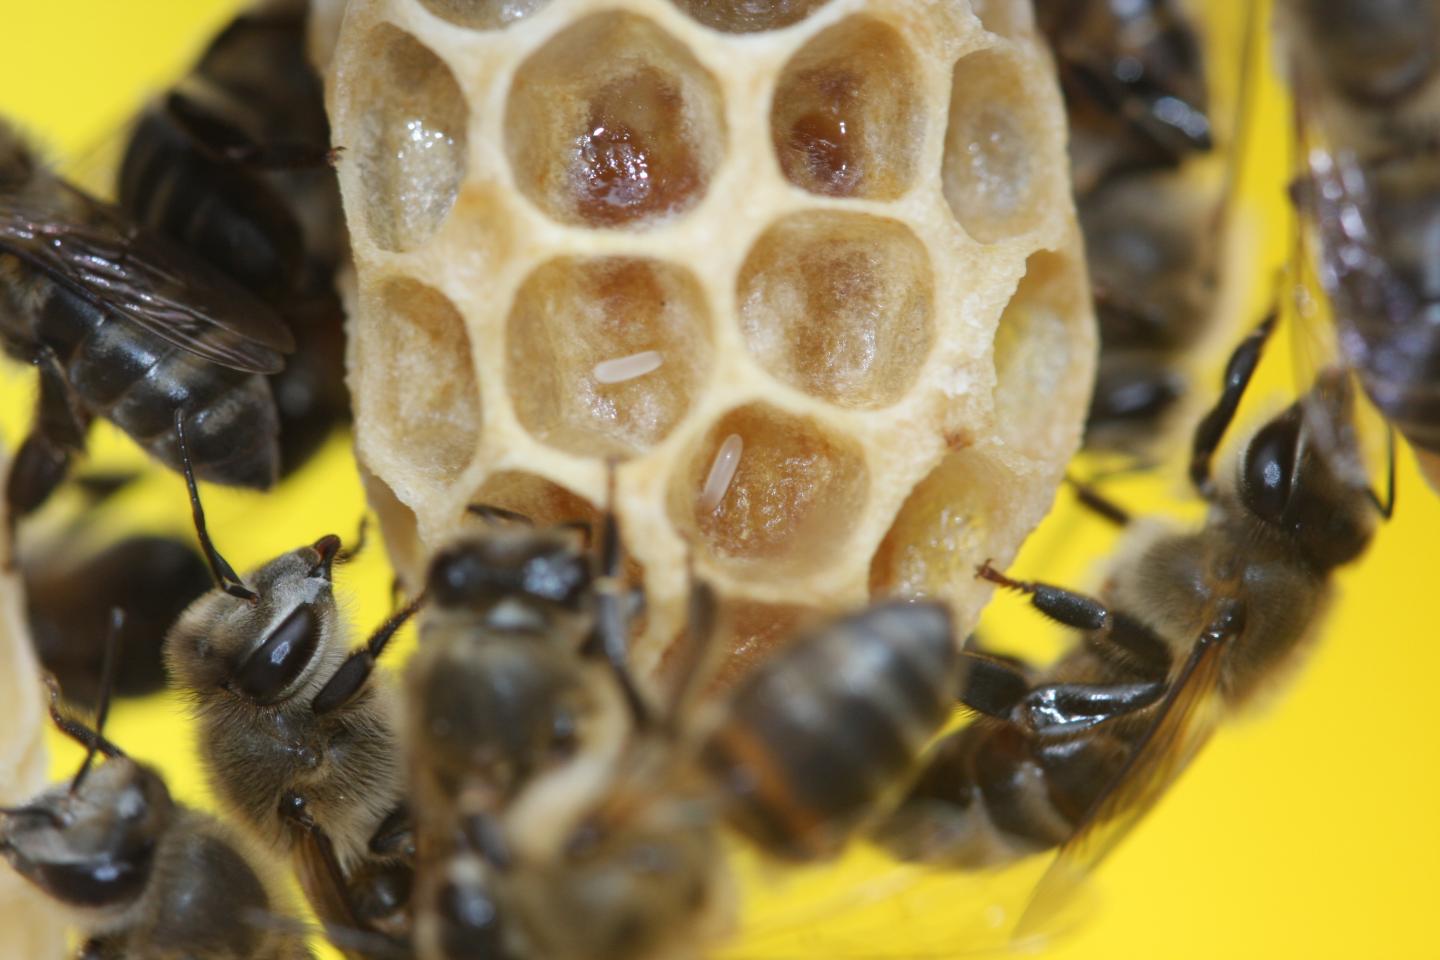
(1097, 503)
(697, 653)
(295, 811)
(353, 674)
(1063, 606)
(395, 837)
(612, 625)
(1211, 429)
(992, 685)
(1111, 633)
(1064, 709)
(41, 463)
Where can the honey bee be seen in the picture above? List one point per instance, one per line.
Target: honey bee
(296, 733)
(124, 325)
(1364, 79)
(146, 877)
(1189, 628)
(68, 595)
(796, 758)
(1135, 82)
(1133, 75)
(233, 163)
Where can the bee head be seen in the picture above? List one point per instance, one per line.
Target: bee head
(1301, 473)
(266, 651)
(514, 580)
(93, 848)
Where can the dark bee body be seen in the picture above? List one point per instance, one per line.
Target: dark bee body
(1367, 91)
(1189, 628)
(124, 326)
(147, 878)
(627, 863)
(69, 598)
(1134, 81)
(818, 736)
(298, 740)
(232, 163)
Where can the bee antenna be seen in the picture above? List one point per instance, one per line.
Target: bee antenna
(345, 556)
(225, 576)
(107, 687)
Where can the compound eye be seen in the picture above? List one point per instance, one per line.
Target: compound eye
(463, 577)
(273, 667)
(1269, 467)
(560, 577)
(471, 923)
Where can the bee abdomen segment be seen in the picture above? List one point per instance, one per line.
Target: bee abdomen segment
(818, 737)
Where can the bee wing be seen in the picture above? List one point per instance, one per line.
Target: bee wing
(1185, 719)
(322, 880)
(136, 275)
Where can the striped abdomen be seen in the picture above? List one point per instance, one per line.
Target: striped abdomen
(991, 793)
(817, 737)
(137, 380)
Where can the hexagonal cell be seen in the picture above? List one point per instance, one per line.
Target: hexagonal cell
(749, 16)
(408, 138)
(993, 175)
(941, 533)
(847, 119)
(482, 14)
(764, 491)
(605, 355)
(547, 503)
(401, 529)
(839, 305)
(613, 123)
(1005, 18)
(1036, 352)
(419, 380)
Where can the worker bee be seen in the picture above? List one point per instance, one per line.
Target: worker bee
(1189, 628)
(145, 877)
(1364, 79)
(69, 592)
(296, 733)
(1133, 76)
(233, 163)
(122, 324)
(796, 758)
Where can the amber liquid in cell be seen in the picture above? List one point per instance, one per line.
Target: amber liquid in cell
(634, 161)
(823, 142)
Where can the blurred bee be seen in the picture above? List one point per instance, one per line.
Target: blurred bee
(124, 325)
(1189, 627)
(68, 596)
(297, 736)
(1365, 78)
(796, 758)
(1135, 86)
(233, 163)
(1133, 75)
(508, 680)
(146, 877)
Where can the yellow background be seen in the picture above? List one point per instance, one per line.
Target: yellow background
(1309, 831)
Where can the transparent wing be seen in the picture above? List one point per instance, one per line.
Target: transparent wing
(1184, 722)
(142, 278)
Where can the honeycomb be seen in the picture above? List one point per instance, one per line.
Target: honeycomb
(30, 924)
(806, 270)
